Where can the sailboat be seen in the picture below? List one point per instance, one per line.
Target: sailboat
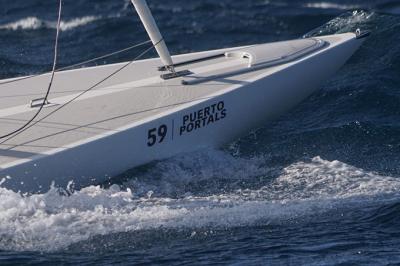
(98, 122)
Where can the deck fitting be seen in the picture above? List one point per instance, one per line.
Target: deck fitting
(177, 74)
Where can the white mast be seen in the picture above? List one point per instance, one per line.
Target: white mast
(154, 33)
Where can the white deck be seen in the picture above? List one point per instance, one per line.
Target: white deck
(136, 117)
(133, 95)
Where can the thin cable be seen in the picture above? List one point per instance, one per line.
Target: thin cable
(79, 95)
(79, 64)
(50, 83)
(104, 56)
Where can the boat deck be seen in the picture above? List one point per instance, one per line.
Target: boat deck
(134, 95)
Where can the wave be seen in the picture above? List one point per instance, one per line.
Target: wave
(34, 23)
(347, 22)
(328, 5)
(49, 222)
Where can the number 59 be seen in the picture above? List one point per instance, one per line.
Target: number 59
(155, 134)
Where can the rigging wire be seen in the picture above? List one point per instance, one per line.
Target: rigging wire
(12, 135)
(79, 64)
(21, 129)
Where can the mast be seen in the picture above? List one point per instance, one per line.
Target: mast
(154, 33)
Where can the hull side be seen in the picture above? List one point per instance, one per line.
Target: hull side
(207, 123)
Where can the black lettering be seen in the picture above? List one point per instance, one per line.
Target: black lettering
(155, 134)
(190, 127)
(200, 114)
(216, 117)
(202, 117)
(204, 121)
(223, 114)
(185, 119)
(182, 130)
(220, 106)
(210, 119)
(206, 112)
(162, 132)
(197, 124)
(152, 137)
(213, 108)
(192, 117)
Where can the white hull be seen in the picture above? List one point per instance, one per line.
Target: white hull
(235, 110)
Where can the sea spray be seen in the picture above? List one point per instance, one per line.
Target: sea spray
(51, 221)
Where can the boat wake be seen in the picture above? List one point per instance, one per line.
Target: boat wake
(176, 199)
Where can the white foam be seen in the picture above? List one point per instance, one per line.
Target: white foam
(328, 5)
(31, 23)
(48, 222)
(357, 17)
(77, 22)
(34, 23)
(344, 23)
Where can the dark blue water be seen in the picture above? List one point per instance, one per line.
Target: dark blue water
(320, 186)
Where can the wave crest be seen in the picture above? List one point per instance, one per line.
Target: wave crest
(51, 221)
(328, 5)
(347, 22)
(34, 23)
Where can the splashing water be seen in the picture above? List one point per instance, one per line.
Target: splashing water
(347, 22)
(52, 221)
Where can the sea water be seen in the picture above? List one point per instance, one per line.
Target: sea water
(320, 186)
